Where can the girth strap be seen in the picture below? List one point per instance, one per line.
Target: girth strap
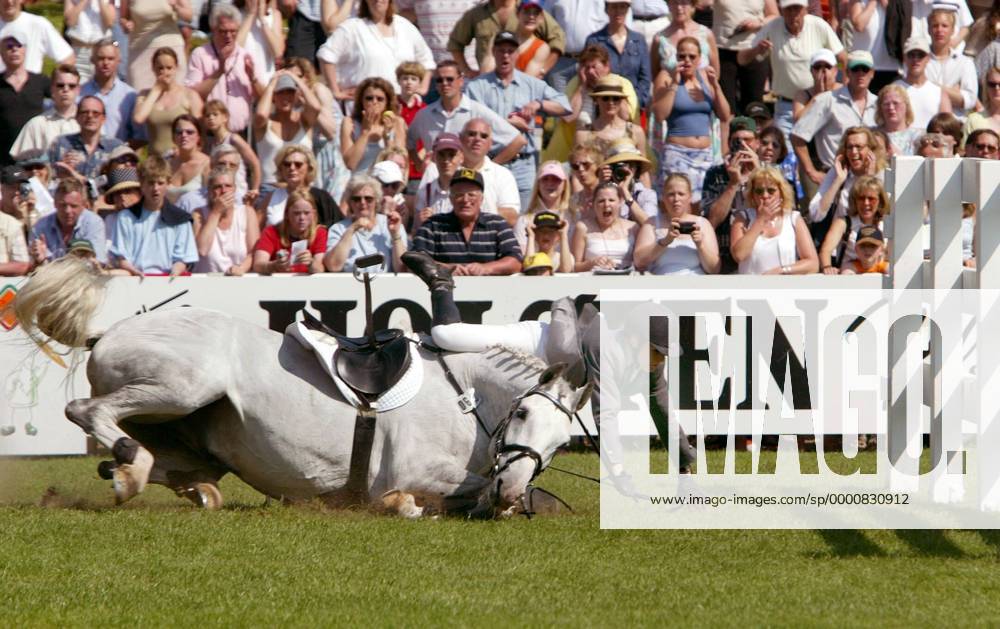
(361, 455)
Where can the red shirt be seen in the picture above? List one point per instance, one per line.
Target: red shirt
(409, 112)
(270, 242)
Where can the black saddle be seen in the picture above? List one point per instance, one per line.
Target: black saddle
(369, 365)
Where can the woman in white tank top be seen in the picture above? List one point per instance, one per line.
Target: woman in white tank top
(605, 240)
(287, 124)
(769, 237)
(663, 249)
(226, 230)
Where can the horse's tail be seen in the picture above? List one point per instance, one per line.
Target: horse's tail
(59, 300)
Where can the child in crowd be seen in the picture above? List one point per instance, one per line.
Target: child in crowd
(870, 249)
(410, 76)
(548, 234)
(537, 264)
(216, 121)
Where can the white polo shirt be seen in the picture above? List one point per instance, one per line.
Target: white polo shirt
(500, 186)
(790, 55)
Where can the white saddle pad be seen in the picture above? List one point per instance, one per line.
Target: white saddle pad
(324, 347)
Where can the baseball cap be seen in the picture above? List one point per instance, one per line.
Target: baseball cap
(387, 172)
(548, 219)
(552, 168)
(536, 261)
(784, 4)
(447, 141)
(869, 233)
(742, 123)
(823, 55)
(468, 175)
(12, 175)
(860, 59)
(285, 82)
(80, 245)
(757, 109)
(14, 31)
(530, 3)
(916, 42)
(506, 37)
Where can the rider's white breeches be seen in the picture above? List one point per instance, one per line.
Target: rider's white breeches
(525, 336)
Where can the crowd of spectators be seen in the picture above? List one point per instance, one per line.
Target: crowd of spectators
(500, 136)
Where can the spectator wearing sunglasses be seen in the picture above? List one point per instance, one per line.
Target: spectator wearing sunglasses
(989, 117)
(44, 128)
(832, 113)
(926, 97)
(366, 231)
(452, 112)
(21, 92)
(983, 143)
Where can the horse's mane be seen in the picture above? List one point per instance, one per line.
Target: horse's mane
(523, 359)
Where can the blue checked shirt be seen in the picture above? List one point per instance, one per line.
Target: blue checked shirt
(489, 90)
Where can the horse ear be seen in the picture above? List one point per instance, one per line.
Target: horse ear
(584, 396)
(552, 373)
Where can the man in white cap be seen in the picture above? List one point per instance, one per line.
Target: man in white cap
(831, 113)
(21, 92)
(42, 39)
(790, 43)
(927, 99)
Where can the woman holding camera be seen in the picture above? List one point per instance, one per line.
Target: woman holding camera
(686, 99)
(675, 241)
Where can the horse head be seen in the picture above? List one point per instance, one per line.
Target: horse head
(524, 443)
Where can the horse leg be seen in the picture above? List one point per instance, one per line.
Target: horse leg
(99, 417)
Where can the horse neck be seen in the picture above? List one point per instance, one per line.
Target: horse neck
(499, 376)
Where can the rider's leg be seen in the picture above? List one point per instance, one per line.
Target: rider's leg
(450, 333)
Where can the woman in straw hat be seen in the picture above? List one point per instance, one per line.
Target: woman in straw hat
(611, 122)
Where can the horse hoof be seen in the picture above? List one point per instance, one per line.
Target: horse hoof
(6, 431)
(402, 504)
(30, 430)
(130, 479)
(106, 469)
(204, 495)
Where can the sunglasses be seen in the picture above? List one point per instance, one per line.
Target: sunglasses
(67, 86)
(860, 69)
(358, 198)
(13, 44)
(935, 142)
(610, 99)
(986, 148)
(445, 79)
(821, 66)
(581, 165)
(993, 85)
(916, 54)
(291, 164)
(763, 191)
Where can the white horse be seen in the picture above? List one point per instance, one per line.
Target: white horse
(184, 396)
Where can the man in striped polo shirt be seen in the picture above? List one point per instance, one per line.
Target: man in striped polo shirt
(470, 242)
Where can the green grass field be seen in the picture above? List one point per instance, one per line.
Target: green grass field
(76, 560)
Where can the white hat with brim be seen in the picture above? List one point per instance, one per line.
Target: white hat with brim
(917, 43)
(784, 4)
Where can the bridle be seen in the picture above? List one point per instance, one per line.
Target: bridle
(499, 436)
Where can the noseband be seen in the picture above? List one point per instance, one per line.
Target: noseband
(499, 437)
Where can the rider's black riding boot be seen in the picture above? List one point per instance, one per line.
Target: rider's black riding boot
(438, 278)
